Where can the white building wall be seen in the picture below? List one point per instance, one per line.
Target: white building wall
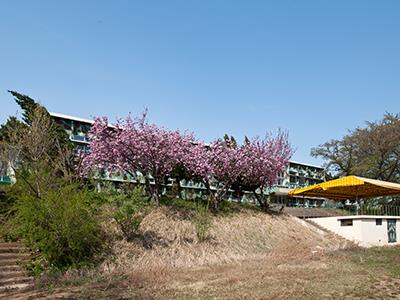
(352, 233)
(375, 235)
(364, 231)
(11, 173)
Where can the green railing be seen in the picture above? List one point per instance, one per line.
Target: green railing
(381, 210)
(79, 138)
(5, 180)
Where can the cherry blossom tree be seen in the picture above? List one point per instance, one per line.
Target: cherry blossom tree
(137, 146)
(253, 166)
(263, 161)
(217, 165)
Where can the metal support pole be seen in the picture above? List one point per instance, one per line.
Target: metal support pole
(358, 207)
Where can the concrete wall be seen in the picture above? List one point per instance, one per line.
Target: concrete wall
(364, 231)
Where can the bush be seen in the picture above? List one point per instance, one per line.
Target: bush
(185, 207)
(131, 207)
(201, 221)
(6, 201)
(62, 225)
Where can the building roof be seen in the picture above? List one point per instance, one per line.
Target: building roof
(349, 187)
(306, 164)
(68, 117)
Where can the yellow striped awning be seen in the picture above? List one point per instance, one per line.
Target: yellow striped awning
(350, 187)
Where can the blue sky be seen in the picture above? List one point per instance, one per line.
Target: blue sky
(314, 68)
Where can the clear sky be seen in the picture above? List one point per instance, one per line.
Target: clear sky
(314, 68)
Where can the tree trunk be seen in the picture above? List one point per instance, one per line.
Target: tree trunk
(215, 203)
(152, 191)
(261, 201)
(156, 192)
(239, 194)
(156, 198)
(212, 199)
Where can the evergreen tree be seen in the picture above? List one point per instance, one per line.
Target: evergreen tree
(28, 106)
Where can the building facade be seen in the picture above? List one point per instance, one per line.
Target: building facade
(364, 230)
(298, 175)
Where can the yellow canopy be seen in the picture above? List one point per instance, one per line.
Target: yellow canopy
(350, 187)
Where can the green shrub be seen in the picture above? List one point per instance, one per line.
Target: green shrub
(62, 225)
(6, 201)
(131, 207)
(201, 221)
(186, 207)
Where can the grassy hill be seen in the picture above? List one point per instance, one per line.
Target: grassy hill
(247, 254)
(169, 240)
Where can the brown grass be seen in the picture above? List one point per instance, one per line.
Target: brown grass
(170, 241)
(248, 255)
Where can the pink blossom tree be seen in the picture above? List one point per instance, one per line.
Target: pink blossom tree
(135, 145)
(253, 166)
(217, 165)
(263, 161)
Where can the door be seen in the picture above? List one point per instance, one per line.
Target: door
(391, 229)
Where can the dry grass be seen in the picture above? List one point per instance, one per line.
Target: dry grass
(248, 255)
(170, 241)
(169, 257)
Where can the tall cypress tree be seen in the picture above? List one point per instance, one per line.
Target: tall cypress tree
(28, 106)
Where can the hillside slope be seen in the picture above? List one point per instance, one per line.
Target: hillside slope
(168, 258)
(170, 240)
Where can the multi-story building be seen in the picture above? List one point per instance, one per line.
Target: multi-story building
(295, 176)
(298, 175)
(78, 129)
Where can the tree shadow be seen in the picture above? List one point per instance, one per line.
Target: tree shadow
(149, 240)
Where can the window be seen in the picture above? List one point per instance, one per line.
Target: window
(378, 222)
(347, 222)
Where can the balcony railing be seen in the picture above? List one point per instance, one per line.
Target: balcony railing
(79, 138)
(381, 210)
(5, 180)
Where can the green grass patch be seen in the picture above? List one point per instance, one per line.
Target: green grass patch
(379, 259)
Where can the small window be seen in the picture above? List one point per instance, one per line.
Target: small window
(347, 222)
(378, 222)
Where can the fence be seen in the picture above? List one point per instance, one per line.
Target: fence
(381, 210)
(5, 180)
